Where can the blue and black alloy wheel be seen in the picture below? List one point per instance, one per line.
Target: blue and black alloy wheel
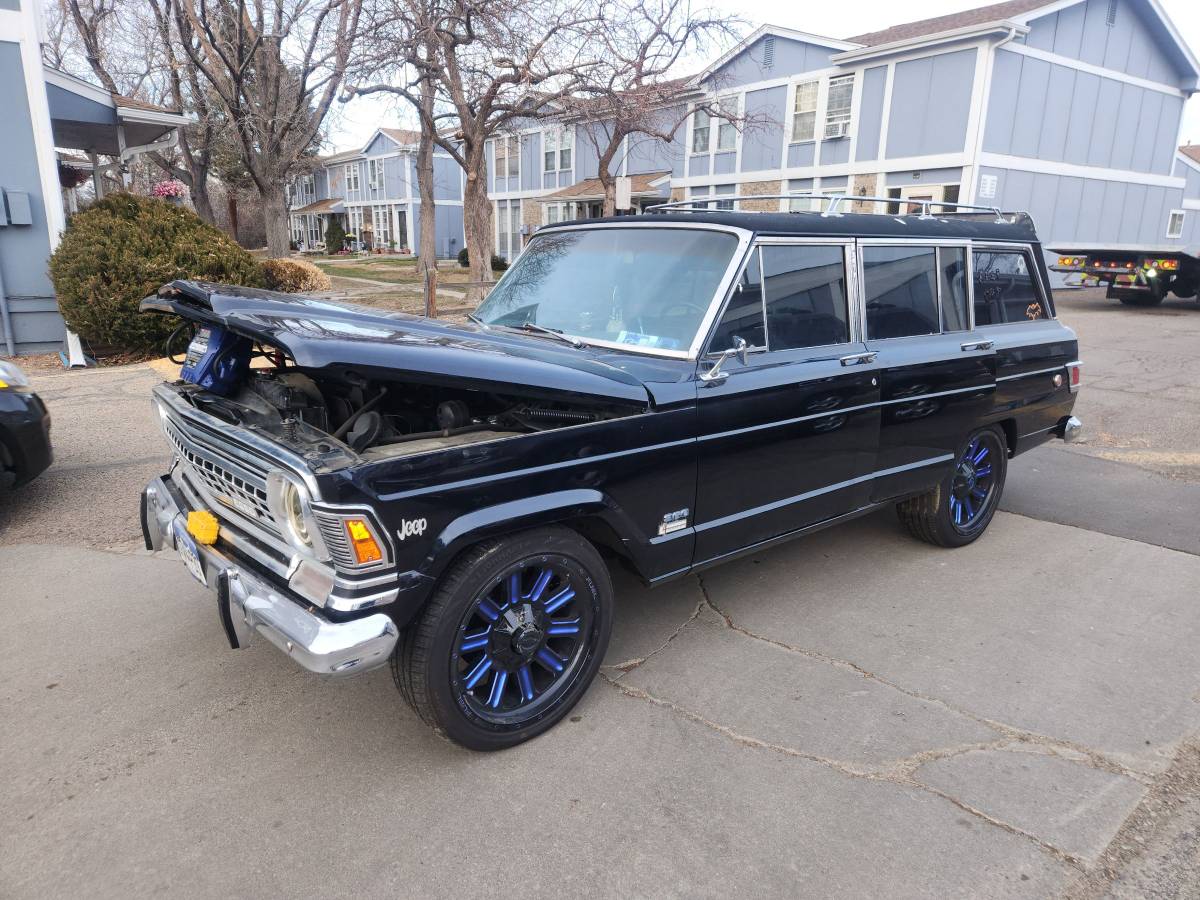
(973, 485)
(521, 642)
(510, 640)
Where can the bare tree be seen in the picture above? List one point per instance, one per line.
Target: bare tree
(492, 62)
(397, 45)
(631, 92)
(275, 67)
(130, 47)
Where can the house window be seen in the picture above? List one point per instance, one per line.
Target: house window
(557, 147)
(837, 106)
(374, 170)
(352, 177)
(727, 130)
(804, 112)
(713, 195)
(1175, 223)
(700, 131)
(508, 156)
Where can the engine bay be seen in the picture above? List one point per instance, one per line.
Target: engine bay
(325, 413)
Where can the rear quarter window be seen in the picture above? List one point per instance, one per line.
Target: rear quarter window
(1006, 288)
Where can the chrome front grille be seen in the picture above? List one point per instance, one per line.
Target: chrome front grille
(229, 486)
(334, 534)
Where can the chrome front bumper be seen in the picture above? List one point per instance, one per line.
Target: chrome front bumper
(249, 604)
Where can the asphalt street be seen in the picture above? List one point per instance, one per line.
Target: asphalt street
(854, 714)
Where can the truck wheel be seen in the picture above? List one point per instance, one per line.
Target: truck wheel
(1155, 296)
(511, 639)
(958, 510)
(1185, 290)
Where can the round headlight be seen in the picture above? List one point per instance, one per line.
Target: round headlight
(293, 510)
(290, 507)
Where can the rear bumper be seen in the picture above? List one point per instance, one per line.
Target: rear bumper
(1069, 429)
(249, 604)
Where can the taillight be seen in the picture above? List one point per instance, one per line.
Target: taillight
(1074, 375)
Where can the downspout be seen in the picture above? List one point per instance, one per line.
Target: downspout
(6, 320)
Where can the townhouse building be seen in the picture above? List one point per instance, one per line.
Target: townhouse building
(1070, 110)
(373, 192)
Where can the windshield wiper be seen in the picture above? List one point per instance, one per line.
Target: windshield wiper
(553, 332)
(478, 321)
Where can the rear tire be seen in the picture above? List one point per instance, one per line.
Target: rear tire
(959, 510)
(1142, 300)
(498, 656)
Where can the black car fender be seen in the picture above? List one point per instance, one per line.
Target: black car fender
(587, 509)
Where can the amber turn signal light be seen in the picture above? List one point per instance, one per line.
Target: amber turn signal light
(366, 548)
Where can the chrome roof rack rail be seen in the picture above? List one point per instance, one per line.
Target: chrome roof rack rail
(834, 205)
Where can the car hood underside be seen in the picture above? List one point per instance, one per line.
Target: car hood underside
(319, 334)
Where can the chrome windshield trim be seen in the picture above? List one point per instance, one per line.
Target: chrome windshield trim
(744, 236)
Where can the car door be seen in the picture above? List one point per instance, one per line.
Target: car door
(787, 434)
(938, 379)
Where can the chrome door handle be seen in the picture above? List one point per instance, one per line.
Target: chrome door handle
(858, 359)
(977, 345)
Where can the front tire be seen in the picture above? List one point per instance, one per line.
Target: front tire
(510, 640)
(959, 510)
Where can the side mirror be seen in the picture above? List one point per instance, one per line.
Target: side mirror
(740, 347)
(715, 375)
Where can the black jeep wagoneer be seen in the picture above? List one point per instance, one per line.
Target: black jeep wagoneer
(672, 390)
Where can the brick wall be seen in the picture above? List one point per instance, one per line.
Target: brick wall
(755, 188)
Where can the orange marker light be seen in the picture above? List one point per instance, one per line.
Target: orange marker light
(366, 550)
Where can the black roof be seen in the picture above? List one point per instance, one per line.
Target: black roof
(977, 226)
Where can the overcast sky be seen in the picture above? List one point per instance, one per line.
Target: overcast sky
(353, 123)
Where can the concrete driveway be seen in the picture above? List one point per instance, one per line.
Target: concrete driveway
(855, 714)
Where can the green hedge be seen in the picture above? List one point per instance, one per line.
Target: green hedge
(122, 249)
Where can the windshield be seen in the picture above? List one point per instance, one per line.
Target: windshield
(644, 287)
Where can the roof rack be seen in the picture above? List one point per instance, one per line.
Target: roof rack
(834, 205)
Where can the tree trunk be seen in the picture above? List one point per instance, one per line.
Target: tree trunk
(279, 237)
(427, 250)
(610, 198)
(477, 223)
(231, 207)
(201, 201)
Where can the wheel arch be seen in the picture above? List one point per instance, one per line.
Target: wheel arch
(588, 512)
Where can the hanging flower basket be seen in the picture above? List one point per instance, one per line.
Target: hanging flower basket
(72, 177)
(171, 190)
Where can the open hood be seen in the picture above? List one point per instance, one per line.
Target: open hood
(318, 334)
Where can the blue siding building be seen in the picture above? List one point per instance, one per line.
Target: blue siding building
(42, 109)
(1070, 110)
(373, 192)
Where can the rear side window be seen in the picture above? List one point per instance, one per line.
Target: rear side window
(1004, 288)
(900, 288)
(805, 296)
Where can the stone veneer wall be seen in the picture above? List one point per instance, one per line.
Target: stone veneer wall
(531, 213)
(864, 186)
(753, 188)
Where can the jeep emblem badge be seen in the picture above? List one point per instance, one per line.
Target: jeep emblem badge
(411, 527)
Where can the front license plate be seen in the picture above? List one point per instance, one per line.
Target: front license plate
(188, 552)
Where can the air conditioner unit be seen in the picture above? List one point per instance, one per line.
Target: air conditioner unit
(836, 129)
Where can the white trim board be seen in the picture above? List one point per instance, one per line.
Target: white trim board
(1081, 66)
(839, 170)
(1048, 167)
